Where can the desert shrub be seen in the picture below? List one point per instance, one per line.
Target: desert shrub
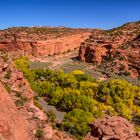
(137, 129)
(22, 63)
(75, 122)
(122, 58)
(20, 85)
(37, 104)
(20, 102)
(39, 133)
(43, 88)
(83, 77)
(56, 96)
(68, 100)
(77, 72)
(122, 67)
(124, 110)
(87, 104)
(119, 94)
(8, 74)
(51, 115)
(105, 110)
(18, 94)
(66, 80)
(117, 90)
(5, 57)
(8, 87)
(44, 74)
(127, 73)
(88, 88)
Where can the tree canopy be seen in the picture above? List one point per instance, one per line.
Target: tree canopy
(82, 97)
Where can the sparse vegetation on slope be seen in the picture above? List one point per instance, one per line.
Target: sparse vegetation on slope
(41, 33)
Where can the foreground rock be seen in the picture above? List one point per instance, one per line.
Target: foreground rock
(12, 124)
(22, 119)
(112, 128)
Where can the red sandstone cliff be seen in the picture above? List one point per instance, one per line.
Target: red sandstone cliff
(38, 41)
(116, 50)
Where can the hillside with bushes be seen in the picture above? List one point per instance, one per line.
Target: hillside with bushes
(81, 97)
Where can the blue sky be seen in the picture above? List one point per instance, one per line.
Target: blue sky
(71, 13)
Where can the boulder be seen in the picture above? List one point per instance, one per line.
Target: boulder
(48, 132)
(113, 128)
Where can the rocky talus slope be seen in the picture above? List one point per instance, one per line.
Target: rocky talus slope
(116, 51)
(38, 41)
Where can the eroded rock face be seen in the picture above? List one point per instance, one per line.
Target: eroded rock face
(134, 55)
(114, 48)
(12, 124)
(42, 41)
(113, 128)
(16, 80)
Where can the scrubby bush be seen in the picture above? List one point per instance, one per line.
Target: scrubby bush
(7, 87)
(22, 63)
(119, 94)
(43, 88)
(20, 102)
(8, 74)
(76, 122)
(77, 72)
(37, 104)
(55, 96)
(51, 115)
(5, 57)
(39, 133)
(123, 110)
(88, 88)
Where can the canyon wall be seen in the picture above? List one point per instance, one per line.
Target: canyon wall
(116, 51)
(38, 44)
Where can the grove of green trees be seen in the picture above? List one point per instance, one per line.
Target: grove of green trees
(82, 97)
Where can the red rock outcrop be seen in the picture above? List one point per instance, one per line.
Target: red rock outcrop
(12, 124)
(16, 80)
(112, 128)
(42, 41)
(133, 55)
(114, 48)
